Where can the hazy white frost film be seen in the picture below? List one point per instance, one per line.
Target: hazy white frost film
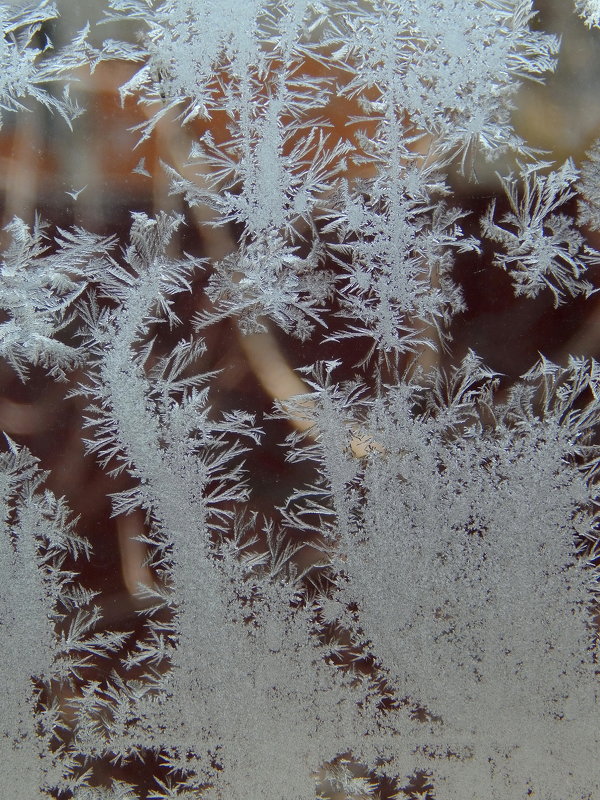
(300, 470)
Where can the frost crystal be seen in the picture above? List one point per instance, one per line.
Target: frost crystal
(375, 574)
(38, 291)
(30, 70)
(589, 11)
(542, 248)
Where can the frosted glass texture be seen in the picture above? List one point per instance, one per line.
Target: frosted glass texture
(299, 475)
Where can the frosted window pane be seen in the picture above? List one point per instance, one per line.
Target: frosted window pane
(299, 399)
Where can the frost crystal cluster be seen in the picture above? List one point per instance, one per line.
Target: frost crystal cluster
(412, 611)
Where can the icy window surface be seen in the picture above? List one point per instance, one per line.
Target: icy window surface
(296, 500)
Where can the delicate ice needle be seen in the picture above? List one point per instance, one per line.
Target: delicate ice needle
(140, 168)
(75, 194)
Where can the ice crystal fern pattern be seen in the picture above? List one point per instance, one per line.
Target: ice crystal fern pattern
(417, 612)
